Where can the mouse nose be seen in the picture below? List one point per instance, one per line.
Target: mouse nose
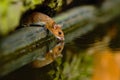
(62, 39)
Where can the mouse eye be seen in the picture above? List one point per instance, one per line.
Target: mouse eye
(59, 49)
(59, 33)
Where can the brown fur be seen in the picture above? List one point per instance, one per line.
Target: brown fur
(50, 23)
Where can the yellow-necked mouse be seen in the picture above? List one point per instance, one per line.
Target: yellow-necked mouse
(50, 24)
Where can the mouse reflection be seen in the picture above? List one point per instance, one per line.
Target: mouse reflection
(49, 56)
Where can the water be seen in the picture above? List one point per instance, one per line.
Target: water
(93, 56)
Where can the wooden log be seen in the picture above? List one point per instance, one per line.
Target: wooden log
(29, 35)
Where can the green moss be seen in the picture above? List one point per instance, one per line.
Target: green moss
(11, 11)
(56, 4)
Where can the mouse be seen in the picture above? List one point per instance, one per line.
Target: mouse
(50, 24)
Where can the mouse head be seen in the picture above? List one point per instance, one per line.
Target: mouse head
(57, 31)
(56, 51)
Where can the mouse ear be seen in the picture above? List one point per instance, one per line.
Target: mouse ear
(57, 26)
(60, 25)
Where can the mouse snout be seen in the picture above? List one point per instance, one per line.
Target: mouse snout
(61, 38)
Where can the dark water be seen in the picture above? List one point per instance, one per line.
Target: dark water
(93, 56)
